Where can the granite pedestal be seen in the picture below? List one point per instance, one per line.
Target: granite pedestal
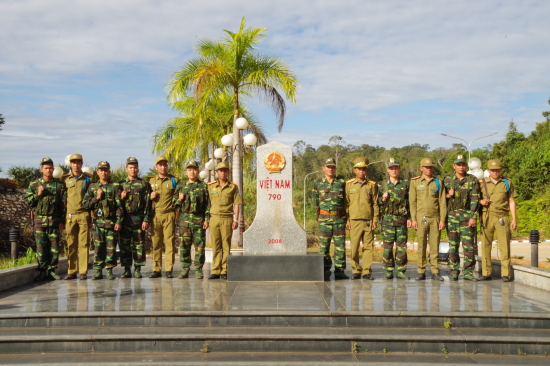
(308, 267)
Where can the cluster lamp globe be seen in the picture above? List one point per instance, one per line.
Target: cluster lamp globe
(474, 163)
(219, 153)
(87, 169)
(203, 174)
(486, 174)
(211, 165)
(250, 139)
(478, 173)
(57, 172)
(241, 123)
(68, 160)
(227, 140)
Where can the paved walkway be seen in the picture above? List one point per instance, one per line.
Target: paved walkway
(218, 295)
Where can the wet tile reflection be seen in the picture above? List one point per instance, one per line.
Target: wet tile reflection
(203, 295)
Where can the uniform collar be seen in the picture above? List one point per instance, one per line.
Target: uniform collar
(399, 180)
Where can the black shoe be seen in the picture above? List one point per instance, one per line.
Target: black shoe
(327, 275)
(71, 276)
(83, 277)
(169, 275)
(224, 276)
(421, 277)
(155, 274)
(484, 278)
(356, 276)
(368, 277)
(506, 279)
(213, 277)
(437, 277)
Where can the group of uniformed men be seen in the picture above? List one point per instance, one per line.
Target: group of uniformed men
(426, 203)
(125, 210)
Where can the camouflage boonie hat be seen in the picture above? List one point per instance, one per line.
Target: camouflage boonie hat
(131, 161)
(426, 162)
(393, 162)
(192, 164)
(159, 159)
(103, 165)
(46, 161)
(330, 162)
(222, 165)
(75, 157)
(494, 164)
(361, 163)
(459, 159)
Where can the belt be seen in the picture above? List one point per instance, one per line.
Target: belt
(323, 212)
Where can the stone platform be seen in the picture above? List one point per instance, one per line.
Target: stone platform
(274, 268)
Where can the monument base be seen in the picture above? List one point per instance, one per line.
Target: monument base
(308, 267)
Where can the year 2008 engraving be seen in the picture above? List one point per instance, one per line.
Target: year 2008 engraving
(274, 241)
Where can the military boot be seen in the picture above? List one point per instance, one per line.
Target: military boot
(389, 275)
(184, 273)
(110, 275)
(137, 271)
(51, 273)
(453, 277)
(469, 277)
(127, 272)
(198, 273)
(42, 275)
(402, 276)
(98, 275)
(340, 275)
(327, 275)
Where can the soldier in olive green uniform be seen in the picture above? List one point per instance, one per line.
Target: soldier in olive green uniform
(362, 212)
(136, 203)
(224, 213)
(45, 196)
(78, 221)
(428, 213)
(103, 198)
(163, 186)
(192, 203)
(395, 212)
(463, 203)
(498, 201)
(330, 201)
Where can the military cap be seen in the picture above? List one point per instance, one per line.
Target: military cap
(222, 165)
(426, 162)
(459, 159)
(75, 157)
(46, 161)
(159, 159)
(393, 162)
(192, 164)
(131, 161)
(494, 164)
(330, 162)
(103, 165)
(361, 163)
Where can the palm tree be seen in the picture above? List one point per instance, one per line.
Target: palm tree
(232, 66)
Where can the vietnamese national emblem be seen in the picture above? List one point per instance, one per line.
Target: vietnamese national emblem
(274, 162)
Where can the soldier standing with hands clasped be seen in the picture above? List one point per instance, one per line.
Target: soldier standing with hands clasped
(462, 203)
(135, 201)
(362, 212)
(498, 203)
(103, 198)
(163, 186)
(329, 199)
(78, 221)
(428, 213)
(191, 200)
(45, 196)
(395, 211)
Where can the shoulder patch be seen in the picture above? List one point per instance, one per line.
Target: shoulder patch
(510, 179)
(351, 180)
(211, 182)
(149, 176)
(233, 183)
(372, 182)
(415, 178)
(88, 174)
(66, 174)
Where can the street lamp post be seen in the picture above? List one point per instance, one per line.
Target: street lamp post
(305, 196)
(469, 143)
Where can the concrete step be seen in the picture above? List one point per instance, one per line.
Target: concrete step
(271, 359)
(363, 319)
(30, 340)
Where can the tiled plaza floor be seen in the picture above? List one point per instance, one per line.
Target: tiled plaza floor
(191, 294)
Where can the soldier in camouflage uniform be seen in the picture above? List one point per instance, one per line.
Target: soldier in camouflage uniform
(330, 201)
(394, 209)
(463, 197)
(136, 203)
(45, 196)
(103, 198)
(362, 212)
(192, 204)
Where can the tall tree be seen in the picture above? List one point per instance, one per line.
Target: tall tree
(233, 66)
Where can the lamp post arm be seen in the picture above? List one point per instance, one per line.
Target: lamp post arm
(305, 196)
